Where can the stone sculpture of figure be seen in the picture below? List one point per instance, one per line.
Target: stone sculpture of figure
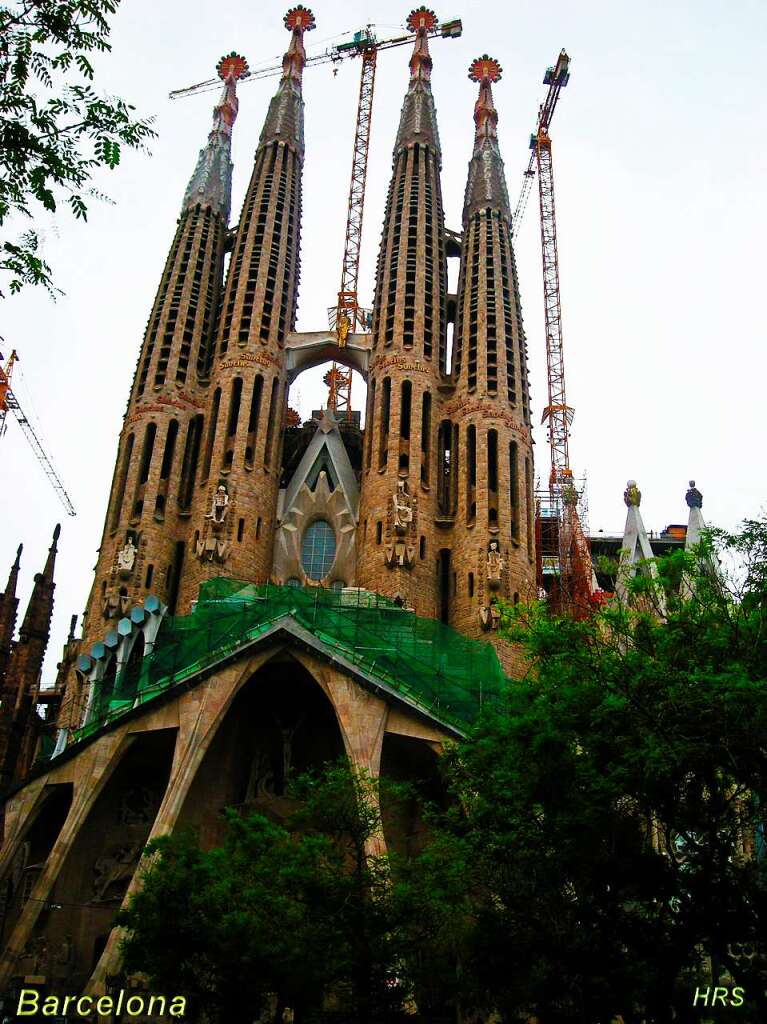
(126, 556)
(219, 506)
(494, 564)
(693, 497)
(632, 495)
(344, 326)
(403, 508)
(116, 865)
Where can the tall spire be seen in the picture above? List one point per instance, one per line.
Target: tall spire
(211, 183)
(9, 604)
(418, 120)
(37, 619)
(284, 120)
(486, 185)
(13, 575)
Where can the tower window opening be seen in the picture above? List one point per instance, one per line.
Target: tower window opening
(255, 409)
(170, 448)
(211, 435)
(379, 531)
(369, 420)
(529, 506)
(404, 416)
(270, 424)
(383, 437)
(471, 472)
(149, 575)
(189, 462)
(422, 548)
(146, 454)
(240, 529)
(514, 489)
(122, 481)
(471, 584)
(447, 494)
(258, 528)
(425, 437)
(234, 406)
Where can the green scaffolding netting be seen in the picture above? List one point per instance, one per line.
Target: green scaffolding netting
(435, 667)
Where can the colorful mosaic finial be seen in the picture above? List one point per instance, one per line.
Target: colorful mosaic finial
(298, 20)
(485, 70)
(230, 69)
(300, 17)
(232, 66)
(421, 21)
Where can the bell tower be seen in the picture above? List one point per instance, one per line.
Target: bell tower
(400, 481)
(147, 521)
(235, 500)
(493, 535)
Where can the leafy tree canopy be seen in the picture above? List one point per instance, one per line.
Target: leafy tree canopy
(611, 813)
(55, 129)
(274, 918)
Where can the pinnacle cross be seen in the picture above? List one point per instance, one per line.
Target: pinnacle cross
(298, 20)
(421, 21)
(485, 70)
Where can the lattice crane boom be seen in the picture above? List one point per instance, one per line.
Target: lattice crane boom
(8, 400)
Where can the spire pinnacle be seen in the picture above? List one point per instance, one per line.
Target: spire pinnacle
(485, 70)
(298, 20)
(486, 184)
(421, 21)
(13, 575)
(211, 183)
(418, 120)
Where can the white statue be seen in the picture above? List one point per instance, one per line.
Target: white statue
(219, 506)
(126, 556)
(494, 565)
(403, 509)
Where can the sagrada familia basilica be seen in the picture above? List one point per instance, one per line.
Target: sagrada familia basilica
(270, 594)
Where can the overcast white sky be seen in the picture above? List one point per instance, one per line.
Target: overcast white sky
(660, 162)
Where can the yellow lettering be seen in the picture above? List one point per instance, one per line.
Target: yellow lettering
(702, 994)
(180, 1010)
(50, 1006)
(719, 993)
(737, 997)
(138, 1006)
(104, 1006)
(151, 1009)
(79, 1006)
(30, 996)
(67, 1001)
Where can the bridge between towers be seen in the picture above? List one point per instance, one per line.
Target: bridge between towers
(312, 348)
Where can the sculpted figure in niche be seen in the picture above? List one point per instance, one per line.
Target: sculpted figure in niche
(219, 506)
(632, 495)
(403, 508)
(115, 866)
(126, 556)
(494, 565)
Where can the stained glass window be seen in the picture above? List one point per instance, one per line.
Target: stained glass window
(318, 549)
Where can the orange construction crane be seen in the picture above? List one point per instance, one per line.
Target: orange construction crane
(563, 549)
(8, 401)
(347, 316)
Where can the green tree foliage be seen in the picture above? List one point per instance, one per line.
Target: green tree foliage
(610, 816)
(55, 129)
(303, 915)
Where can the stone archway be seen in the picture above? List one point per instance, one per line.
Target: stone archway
(303, 351)
(279, 724)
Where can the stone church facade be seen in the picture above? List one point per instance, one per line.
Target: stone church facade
(269, 595)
